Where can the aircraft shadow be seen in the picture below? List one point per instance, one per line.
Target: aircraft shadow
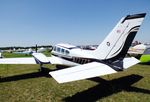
(107, 88)
(146, 63)
(43, 73)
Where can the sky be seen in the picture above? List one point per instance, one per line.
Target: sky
(79, 22)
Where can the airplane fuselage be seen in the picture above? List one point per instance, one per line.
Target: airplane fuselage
(72, 54)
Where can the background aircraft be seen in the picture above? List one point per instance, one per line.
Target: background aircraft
(145, 58)
(137, 49)
(25, 51)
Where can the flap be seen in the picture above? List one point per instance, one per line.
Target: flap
(85, 71)
(40, 58)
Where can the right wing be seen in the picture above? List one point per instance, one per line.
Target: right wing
(88, 70)
(85, 71)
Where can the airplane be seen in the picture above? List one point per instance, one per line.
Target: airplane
(28, 52)
(145, 58)
(108, 58)
(42, 49)
(137, 49)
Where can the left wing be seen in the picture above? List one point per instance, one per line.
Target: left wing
(38, 58)
(85, 71)
(17, 61)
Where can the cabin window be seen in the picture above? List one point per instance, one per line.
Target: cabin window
(58, 49)
(67, 52)
(62, 51)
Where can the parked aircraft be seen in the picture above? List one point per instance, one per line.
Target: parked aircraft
(108, 58)
(27, 51)
(138, 49)
(42, 49)
(30, 51)
(145, 58)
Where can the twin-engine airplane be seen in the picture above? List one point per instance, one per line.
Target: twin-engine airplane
(108, 58)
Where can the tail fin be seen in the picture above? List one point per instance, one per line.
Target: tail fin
(117, 43)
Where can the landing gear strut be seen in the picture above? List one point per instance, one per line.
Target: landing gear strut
(40, 68)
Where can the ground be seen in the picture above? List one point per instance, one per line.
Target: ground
(24, 83)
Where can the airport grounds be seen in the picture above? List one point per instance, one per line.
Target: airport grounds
(24, 83)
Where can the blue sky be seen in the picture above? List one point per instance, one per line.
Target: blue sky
(79, 22)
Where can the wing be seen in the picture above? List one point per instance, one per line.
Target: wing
(18, 61)
(85, 71)
(38, 58)
(55, 60)
(89, 70)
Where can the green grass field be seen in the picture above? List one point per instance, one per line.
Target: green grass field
(23, 83)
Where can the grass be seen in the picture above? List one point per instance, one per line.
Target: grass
(11, 55)
(23, 83)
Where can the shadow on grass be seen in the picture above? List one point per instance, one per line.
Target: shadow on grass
(43, 73)
(106, 88)
(145, 63)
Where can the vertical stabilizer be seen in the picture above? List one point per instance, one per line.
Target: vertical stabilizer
(117, 43)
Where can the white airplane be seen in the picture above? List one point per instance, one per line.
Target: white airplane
(42, 49)
(137, 50)
(108, 58)
(27, 51)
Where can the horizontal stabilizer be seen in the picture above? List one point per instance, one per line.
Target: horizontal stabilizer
(128, 62)
(85, 71)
